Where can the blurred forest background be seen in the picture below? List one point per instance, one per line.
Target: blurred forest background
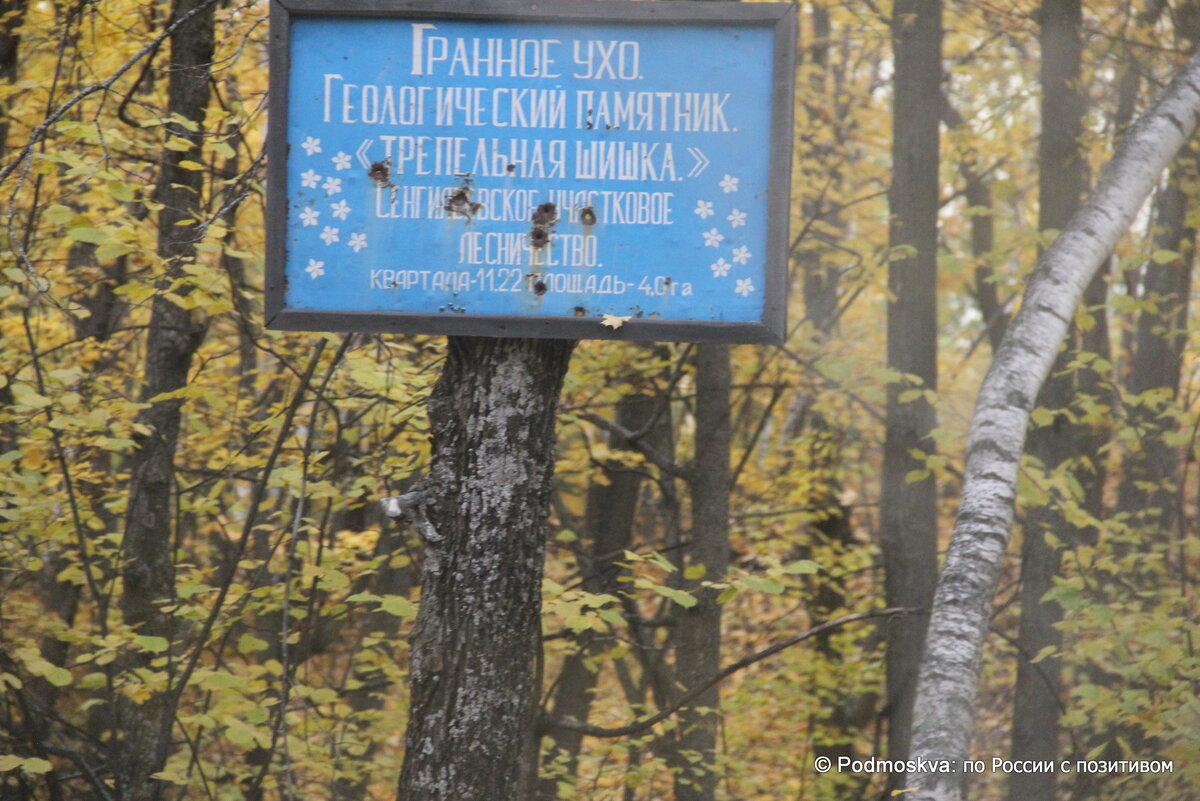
(201, 598)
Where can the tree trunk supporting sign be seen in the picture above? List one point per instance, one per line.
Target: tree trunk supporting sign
(481, 513)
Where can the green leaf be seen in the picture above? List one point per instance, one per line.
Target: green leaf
(1041, 416)
(324, 695)
(120, 191)
(59, 677)
(154, 645)
(1045, 653)
(58, 214)
(678, 596)
(611, 616)
(763, 584)
(248, 644)
(398, 606)
(36, 765)
(802, 567)
(172, 776)
(112, 249)
(913, 476)
(694, 572)
(85, 234)
(578, 623)
(192, 588)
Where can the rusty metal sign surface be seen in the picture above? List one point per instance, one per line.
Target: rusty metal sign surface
(532, 170)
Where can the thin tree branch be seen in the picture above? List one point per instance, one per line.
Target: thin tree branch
(642, 725)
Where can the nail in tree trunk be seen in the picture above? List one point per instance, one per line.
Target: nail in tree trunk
(908, 517)
(483, 520)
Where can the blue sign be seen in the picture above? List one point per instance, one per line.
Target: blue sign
(598, 172)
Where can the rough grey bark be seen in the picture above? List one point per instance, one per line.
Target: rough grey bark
(908, 513)
(962, 608)
(483, 522)
(698, 628)
(148, 574)
(611, 511)
(1062, 182)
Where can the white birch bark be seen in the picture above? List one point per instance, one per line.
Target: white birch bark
(945, 705)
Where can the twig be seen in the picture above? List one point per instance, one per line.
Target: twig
(260, 490)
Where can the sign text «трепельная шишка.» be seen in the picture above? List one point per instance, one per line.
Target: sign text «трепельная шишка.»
(529, 168)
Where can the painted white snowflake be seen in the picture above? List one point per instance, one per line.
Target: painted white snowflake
(309, 179)
(309, 217)
(744, 287)
(720, 268)
(357, 241)
(332, 186)
(311, 146)
(736, 218)
(341, 209)
(713, 237)
(704, 209)
(341, 161)
(330, 235)
(729, 184)
(315, 268)
(741, 255)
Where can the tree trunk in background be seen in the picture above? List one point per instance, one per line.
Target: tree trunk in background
(611, 511)
(908, 515)
(945, 708)
(368, 697)
(148, 573)
(843, 714)
(1062, 182)
(698, 630)
(12, 12)
(978, 193)
(474, 684)
(1150, 467)
(820, 277)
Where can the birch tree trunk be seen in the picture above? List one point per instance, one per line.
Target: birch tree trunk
(945, 707)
